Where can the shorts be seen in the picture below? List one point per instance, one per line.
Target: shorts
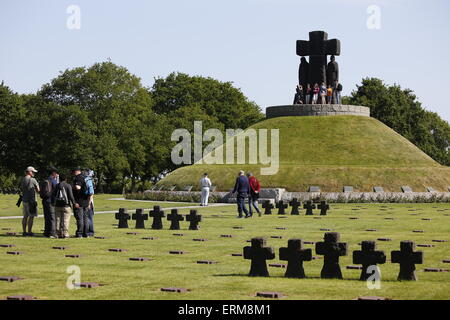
(26, 210)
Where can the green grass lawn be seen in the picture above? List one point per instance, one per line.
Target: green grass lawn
(44, 269)
(102, 203)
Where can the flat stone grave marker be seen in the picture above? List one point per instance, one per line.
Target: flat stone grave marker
(354, 267)
(295, 254)
(177, 252)
(174, 219)
(149, 238)
(276, 237)
(384, 239)
(407, 189)
(123, 218)
(206, 262)
(324, 207)
(309, 206)
(331, 249)
(268, 206)
(258, 253)
(132, 233)
(100, 238)
(236, 254)
(368, 256)
(178, 234)
(226, 236)
(324, 229)
(20, 297)
(14, 253)
(6, 229)
(378, 189)
(194, 219)
(281, 206)
(407, 258)
(440, 241)
(314, 189)
(418, 231)
(371, 230)
(175, 290)
(10, 278)
(157, 214)
(116, 250)
(372, 298)
(12, 234)
(60, 248)
(425, 245)
(74, 256)
(139, 259)
(271, 295)
(140, 218)
(425, 219)
(200, 240)
(295, 205)
(446, 261)
(348, 189)
(308, 242)
(238, 228)
(434, 270)
(281, 228)
(353, 218)
(87, 285)
(7, 245)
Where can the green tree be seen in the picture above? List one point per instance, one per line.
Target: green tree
(399, 109)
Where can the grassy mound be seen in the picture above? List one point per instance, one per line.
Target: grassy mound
(332, 152)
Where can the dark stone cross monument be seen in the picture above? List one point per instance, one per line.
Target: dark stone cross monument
(281, 206)
(258, 253)
(318, 48)
(368, 256)
(309, 206)
(407, 258)
(268, 206)
(295, 205)
(157, 214)
(140, 218)
(331, 249)
(194, 220)
(324, 207)
(175, 219)
(295, 255)
(123, 218)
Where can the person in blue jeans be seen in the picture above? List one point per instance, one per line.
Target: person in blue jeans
(242, 188)
(88, 176)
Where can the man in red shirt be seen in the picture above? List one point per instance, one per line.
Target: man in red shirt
(253, 197)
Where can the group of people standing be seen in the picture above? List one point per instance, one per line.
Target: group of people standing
(60, 199)
(318, 94)
(246, 187)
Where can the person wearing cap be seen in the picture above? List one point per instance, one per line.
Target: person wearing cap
(205, 184)
(81, 208)
(242, 188)
(28, 187)
(46, 193)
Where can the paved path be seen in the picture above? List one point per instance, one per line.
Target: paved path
(104, 212)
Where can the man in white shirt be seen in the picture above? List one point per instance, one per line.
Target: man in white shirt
(205, 185)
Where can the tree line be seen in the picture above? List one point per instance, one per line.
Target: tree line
(103, 118)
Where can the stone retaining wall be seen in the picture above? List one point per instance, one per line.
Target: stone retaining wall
(303, 110)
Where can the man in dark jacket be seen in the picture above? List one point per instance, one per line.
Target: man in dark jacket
(62, 198)
(79, 189)
(242, 188)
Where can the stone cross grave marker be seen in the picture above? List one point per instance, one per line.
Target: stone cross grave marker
(368, 256)
(295, 254)
(157, 214)
(331, 249)
(324, 207)
(281, 206)
(194, 220)
(123, 218)
(295, 205)
(140, 218)
(407, 258)
(174, 219)
(268, 206)
(309, 206)
(258, 253)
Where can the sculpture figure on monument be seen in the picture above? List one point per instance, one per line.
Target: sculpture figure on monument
(332, 71)
(303, 72)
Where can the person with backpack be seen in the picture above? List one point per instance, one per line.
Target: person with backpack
(46, 191)
(28, 188)
(88, 175)
(255, 189)
(62, 198)
(81, 212)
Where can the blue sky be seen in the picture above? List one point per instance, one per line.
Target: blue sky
(248, 42)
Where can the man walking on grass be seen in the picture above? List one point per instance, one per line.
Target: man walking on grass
(242, 188)
(29, 186)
